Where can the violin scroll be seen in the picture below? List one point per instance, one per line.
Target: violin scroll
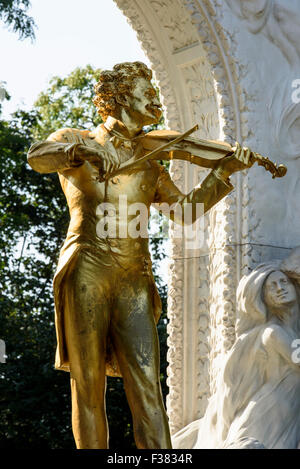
(276, 171)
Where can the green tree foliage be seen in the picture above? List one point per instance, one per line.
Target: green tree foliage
(14, 14)
(34, 399)
(67, 102)
(35, 410)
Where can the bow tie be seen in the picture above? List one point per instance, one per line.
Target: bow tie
(121, 141)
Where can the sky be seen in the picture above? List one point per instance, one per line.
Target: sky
(69, 33)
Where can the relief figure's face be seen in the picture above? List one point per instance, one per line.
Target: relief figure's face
(279, 291)
(256, 11)
(144, 105)
(254, 8)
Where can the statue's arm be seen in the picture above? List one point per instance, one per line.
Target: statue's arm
(278, 341)
(48, 157)
(62, 150)
(212, 189)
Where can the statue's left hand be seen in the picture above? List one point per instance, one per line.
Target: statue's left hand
(241, 159)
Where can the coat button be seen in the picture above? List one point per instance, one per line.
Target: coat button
(143, 187)
(115, 180)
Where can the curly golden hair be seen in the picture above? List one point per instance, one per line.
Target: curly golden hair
(119, 81)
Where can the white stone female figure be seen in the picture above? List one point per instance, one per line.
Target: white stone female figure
(257, 402)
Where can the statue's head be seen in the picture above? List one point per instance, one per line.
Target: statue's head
(128, 86)
(279, 291)
(271, 289)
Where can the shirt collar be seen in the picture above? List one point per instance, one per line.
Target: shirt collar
(119, 130)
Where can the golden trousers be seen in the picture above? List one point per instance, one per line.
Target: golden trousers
(106, 304)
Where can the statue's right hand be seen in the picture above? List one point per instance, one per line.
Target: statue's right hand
(102, 159)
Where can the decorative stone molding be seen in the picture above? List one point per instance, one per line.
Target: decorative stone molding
(176, 23)
(276, 19)
(225, 233)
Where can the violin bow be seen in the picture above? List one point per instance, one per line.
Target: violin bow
(276, 171)
(132, 163)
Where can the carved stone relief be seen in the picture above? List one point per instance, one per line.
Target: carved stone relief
(175, 20)
(199, 83)
(278, 20)
(271, 112)
(257, 400)
(225, 264)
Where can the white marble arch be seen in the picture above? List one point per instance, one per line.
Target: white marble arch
(233, 80)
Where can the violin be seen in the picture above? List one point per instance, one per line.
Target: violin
(171, 145)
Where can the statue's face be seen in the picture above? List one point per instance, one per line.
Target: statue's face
(144, 105)
(279, 290)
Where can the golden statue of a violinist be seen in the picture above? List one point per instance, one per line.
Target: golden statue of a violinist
(106, 302)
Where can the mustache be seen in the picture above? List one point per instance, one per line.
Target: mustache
(155, 109)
